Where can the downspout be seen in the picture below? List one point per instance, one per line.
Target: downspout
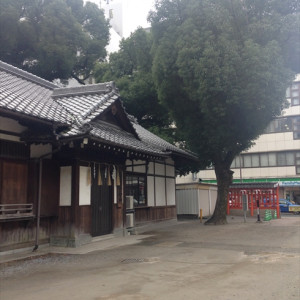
(38, 217)
(38, 213)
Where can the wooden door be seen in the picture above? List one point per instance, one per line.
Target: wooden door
(101, 202)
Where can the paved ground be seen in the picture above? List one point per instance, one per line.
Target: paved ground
(167, 260)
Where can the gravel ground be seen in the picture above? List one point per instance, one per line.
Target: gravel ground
(175, 260)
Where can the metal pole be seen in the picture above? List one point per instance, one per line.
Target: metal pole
(241, 177)
(258, 215)
(38, 213)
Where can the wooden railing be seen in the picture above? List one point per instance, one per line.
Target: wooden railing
(16, 211)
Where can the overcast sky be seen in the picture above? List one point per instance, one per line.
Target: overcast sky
(136, 12)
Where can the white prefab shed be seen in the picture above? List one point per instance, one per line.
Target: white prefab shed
(190, 198)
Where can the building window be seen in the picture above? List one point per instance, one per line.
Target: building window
(279, 125)
(297, 158)
(296, 128)
(295, 94)
(247, 161)
(136, 187)
(272, 159)
(266, 160)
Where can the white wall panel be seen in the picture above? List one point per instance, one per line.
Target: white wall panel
(11, 125)
(141, 168)
(160, 191)
(170, 171)
(171, 191)
(65, 186)
(84, 186)
(159, 169)
(39, 150)
(150, 190)
(151, 168)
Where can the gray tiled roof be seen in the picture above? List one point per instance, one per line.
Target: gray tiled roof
(152, 139)
(29, 95)
(119, 137)
(86, 102)
(78, 107)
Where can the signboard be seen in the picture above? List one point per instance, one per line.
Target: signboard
(289, 183)
(245, 202)
(294, 208)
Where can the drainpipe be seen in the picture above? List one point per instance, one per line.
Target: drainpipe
(38, 213)
(38, 217)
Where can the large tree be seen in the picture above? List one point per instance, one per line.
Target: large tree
(222, 68)
(53, 38)
(131, 69)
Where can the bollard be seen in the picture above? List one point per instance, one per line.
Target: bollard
(200, 215)
(258, 212)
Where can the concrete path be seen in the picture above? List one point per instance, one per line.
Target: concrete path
(166, 260)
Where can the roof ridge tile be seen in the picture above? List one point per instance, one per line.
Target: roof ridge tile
(26, 75)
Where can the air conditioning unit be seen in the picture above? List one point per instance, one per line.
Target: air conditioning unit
(129, 202)
(129, 220)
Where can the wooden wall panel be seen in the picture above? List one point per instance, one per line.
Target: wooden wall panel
(14, 182)
(147, 214)
(50, 188)
(85, 219)
(20, 234)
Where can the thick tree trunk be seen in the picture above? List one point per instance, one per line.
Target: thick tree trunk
(224, 179)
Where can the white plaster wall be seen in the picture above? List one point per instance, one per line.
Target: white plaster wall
(9, 137)
(160, 193)
(129, 165)
(170, 171)
(84, 186)
(282, 141)
(170, 161)
(150, 190)
(151, 168)
(289, 171)
(139, 169)
(292, 111)
(65, 186)
(39, 150)
(159, 169)
(207, 174)
(11, 125)
(171, 191)
(184, 179)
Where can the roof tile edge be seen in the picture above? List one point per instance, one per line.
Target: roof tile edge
(105, 87)
(26, 75)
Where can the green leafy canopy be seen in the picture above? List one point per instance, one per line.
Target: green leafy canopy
(131, 69)
(222, 67)
(53, 38)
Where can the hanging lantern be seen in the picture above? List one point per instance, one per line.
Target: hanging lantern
(89, 176)
(99, 176)
(108, 176)
(118, 182)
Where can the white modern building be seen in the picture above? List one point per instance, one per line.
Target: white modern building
(125, 17)
(275, 156)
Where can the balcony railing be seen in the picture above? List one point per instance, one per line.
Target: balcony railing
(16, 211)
